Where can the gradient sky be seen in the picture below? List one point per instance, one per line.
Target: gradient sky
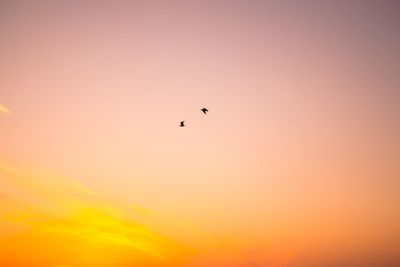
(297, 163)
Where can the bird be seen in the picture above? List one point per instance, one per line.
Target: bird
(182, 124)
(205, 110)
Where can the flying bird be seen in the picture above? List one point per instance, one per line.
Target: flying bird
(182, 124)
(204, 110)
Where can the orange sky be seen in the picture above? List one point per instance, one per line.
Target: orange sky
(296, 164)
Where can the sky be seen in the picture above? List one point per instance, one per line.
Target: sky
(297, 163)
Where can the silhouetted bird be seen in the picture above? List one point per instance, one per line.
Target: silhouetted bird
(182, 124)
(204, 110)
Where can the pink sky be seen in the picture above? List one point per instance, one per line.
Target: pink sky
(296, 164)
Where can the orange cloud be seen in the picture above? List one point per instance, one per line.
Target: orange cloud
(55, 214)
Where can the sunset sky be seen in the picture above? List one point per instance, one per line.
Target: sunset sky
(297, 163)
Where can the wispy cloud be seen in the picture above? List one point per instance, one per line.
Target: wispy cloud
(4, 110)
(51, 207)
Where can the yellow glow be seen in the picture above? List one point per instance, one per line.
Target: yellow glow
(83, 217)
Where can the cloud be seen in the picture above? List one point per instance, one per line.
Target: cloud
(51, 208)
(4, 110)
